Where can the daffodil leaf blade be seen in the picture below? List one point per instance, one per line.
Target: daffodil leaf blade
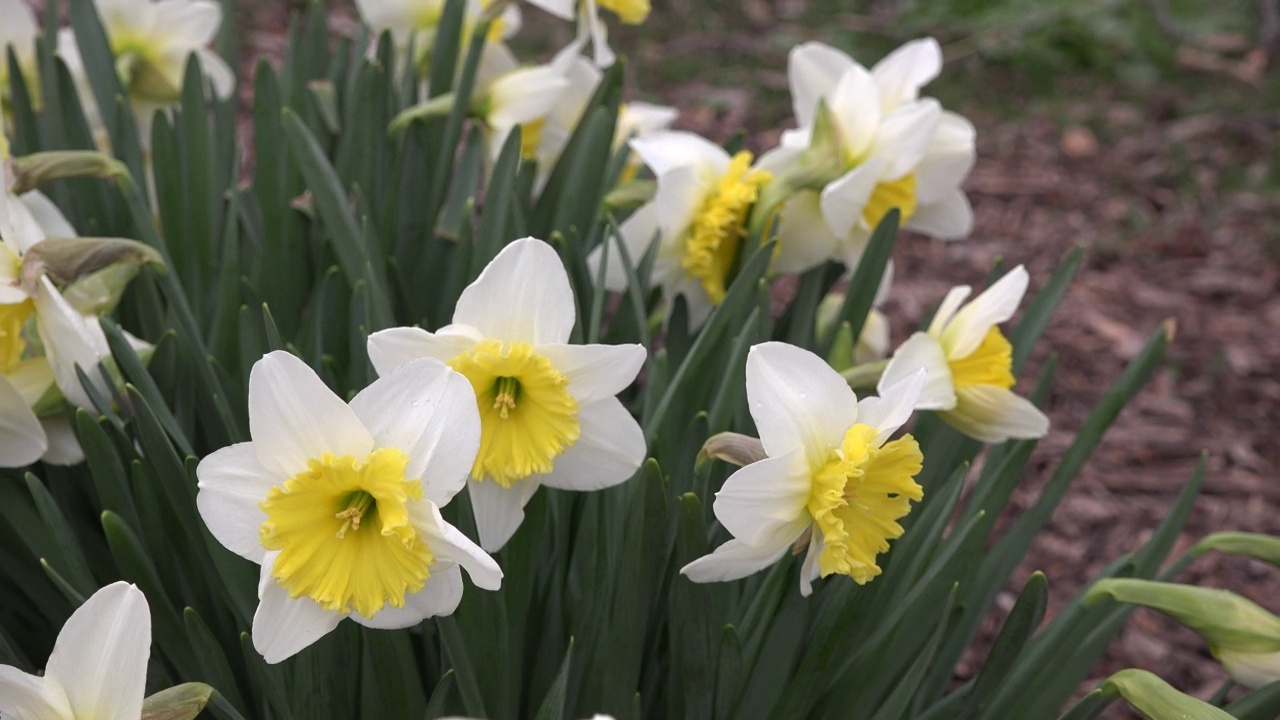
(860, 296)
(104, 461)
(553, 704)
(99, 61)
(728, 672)
(897, 703)
(214, 666)
(440, 695)
(1019, 625)
(459, 659)
(1157, 699)
(63, 548)
(1261, 704)
(391, 683)
(1040, 309)
(1090, 706)
(267, 680)
(692, 636)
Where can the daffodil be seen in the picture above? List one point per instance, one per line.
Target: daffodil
(970, 364)
(698, 217)
(416, 22)
(638, 120)
(509, 95)
(98, 668)
(18, 32)
(339, 502)
(867, 143)
(590, 26)
(548, 414)
(832, 482)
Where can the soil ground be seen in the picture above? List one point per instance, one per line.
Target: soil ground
(1173, 191)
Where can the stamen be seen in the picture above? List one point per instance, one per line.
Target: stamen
(356, 508)
(505, 401)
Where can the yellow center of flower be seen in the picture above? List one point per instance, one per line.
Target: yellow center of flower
(719, 227)
(141, 64)
(631, 12)
(858, 497)
(990, 364)
(527, 416)
(900, 193)
(531, 138)
(13, 317)
(344, 535)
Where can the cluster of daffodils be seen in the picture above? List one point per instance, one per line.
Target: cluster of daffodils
(340, 502)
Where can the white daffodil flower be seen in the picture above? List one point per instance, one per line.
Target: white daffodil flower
(509, 95)
(548, 414)
(697, 216)
(867, 143)
(98, 668)
(638, 120)
(339, 502)
(832, 482)
(970, 364)
(18, 31)
(416, 22)
(591, 27)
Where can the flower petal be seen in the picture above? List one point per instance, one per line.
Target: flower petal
(993, 414)
(294, 417)
(949, 159)
(947, 309)
(991, 307)
(100, 657)
(232, 484)
(906, 135)
(388, 349)
(70, 340)
(813, 69)
(798, 401)
(608, 452)
(439, 596)
(893, 408)
(764, 496)
(637, 233)
(428, 411)
(949, 218)
(22, 440)
(19, 28)
(804, 240)
(666, 151)
(217, 72)
(449, 544)
(736, 559)
(854, 102)
(681, 192)
(188, 24)
(498, 510)
(284, 626)
(32, 697)
(921, 351)
(47, 215)
(64, 448)
(524, 95)
(522, 296)
(904, 71)
(844, 199)
(809, 570)
(596, 372)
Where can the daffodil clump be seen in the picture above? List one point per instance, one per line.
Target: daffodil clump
(569, 413)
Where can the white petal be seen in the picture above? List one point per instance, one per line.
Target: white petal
(760, 498)
(947, 309)
(992, 414)
(665, 151)
(681, 192)
(231, 485)
(294, 417)
(449, 544)
(498, 510)
(18, 226)
(217, 72)
(844, 199)
(439, 596)
(809, 569)
(638, 232)
(70, 340)
(608, 452)
(949, 218)
(522, 296)
(855, 105)
(429, 412)
(906, 135)
(991, 307)
(637, 119)
(30, 697)
(524, 95)
(53, 224)
(904, 71)
(893, 408)
(391, 348)
(813, 69)
(64, 449)
(798, 401)
(949, 159)
(780, 159)
(736, 559)
(22, 440)
(804, 240)
(32, 379)
(283, 626)
(384, 14)
(595, 372)
(100, 657)
(19, 28)
(921, 351)
(589, 19)
(699, 303)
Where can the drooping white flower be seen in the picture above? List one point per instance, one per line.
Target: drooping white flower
(98, 668)
(832, 482)
(970, 364)
(509, 95)
(339, 502)
(867, 143)
(548, 414)
(591, 26)
(697, 216)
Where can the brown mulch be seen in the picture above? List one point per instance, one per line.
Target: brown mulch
(1180, 216)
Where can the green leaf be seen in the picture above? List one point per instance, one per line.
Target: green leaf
(860, 297)
(1018, 627)
(1157, 700)
(181, 702)
(214, 666)
(455, 653)
(1255, 545)
(553, 705)
(64, 552)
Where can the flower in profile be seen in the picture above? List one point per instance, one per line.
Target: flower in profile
(832, 480)
(98, 668)
(548, 415)
(970, 364)
(590, 26)
(509, 95)
(698, 217)
(416, 22)
(867, 143)
(18, 31)
(339, 502)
